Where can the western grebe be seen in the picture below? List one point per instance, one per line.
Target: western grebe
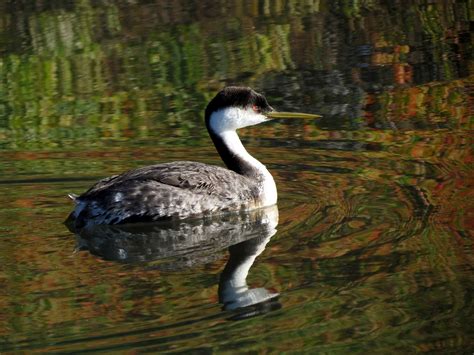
(185, 189)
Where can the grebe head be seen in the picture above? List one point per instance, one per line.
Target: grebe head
(236, 107)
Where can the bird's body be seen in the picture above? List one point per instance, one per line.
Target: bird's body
(172, 190)
(189, 189)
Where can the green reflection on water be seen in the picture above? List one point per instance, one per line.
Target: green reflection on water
(119, 67)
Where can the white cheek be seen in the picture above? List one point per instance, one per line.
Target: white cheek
(233, 118)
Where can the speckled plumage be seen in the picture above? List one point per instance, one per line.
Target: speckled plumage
(171, 190)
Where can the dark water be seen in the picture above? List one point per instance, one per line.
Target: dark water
(373, 251)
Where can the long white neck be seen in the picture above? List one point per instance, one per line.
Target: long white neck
(234, 145)
(236, 157)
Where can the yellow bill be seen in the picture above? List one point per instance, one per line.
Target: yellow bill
(276, 114)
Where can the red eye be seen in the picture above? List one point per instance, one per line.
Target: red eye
(255, 108)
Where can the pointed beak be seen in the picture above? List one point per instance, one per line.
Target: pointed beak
(277, 114)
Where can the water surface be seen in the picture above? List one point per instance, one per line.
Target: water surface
(372, 250)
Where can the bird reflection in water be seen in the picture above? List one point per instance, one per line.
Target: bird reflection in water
(181, 244)
(234, 293)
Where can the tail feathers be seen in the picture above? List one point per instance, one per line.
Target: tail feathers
(73, 197)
